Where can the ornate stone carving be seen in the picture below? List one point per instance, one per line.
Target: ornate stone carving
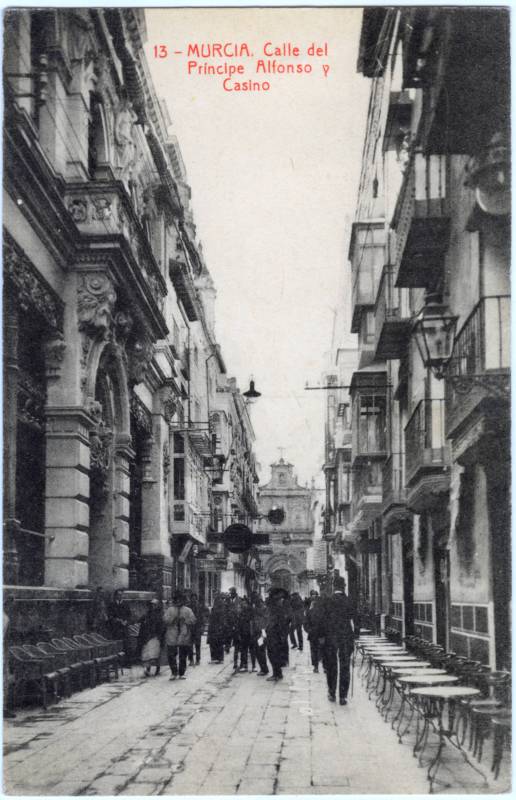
(103, 208)
(123, 326)
(166, 464)
(95, 300)
(140, 356)
(94, 409)
(141, 416)
(169, 408)
(100, 458)
(31, 399)
(32, 292)
(124, 139)
(54, 355)
(78, 210)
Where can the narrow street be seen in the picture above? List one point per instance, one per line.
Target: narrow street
(214, 733)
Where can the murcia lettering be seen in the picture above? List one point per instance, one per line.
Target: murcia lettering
(219, 50)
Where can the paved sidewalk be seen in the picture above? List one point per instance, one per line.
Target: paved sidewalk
(214, 733)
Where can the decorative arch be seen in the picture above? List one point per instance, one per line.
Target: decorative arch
(107, 358)
(284, 560)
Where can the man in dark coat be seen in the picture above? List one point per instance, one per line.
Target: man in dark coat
(309, 623)
(335, 624)
(119, 619)
(296, 624)
(277, 627)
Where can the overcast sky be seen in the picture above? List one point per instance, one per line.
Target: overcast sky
(274, 177)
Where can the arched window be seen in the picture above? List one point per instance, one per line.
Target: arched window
(97, 151)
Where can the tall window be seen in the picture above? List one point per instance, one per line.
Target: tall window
(371, 423)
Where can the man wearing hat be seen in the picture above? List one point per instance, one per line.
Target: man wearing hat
(276, 628)
(335, 625)
(179, 623)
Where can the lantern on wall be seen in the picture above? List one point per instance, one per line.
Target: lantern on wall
(434, 332)
(490, 176)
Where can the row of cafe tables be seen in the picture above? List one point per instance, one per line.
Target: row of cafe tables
(424, 691)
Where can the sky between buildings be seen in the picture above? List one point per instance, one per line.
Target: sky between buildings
(274, 178)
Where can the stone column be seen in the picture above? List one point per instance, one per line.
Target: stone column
(11, 524)
(155, 550)
(123, 453)
(67, 514)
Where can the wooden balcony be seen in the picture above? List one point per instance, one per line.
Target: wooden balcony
(478, 380)
(392, 318)
(427, 456)
(367, 256)
(367, 494)
(422, 223)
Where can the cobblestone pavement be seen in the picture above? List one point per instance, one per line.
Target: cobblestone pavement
(213, 733)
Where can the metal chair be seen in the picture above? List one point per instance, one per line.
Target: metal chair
(79, 655)
(29, 672)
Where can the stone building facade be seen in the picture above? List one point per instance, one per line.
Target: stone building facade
(284, 562)
(111, 365)
(430, 251)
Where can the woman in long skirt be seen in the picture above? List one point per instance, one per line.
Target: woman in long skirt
(150, 637)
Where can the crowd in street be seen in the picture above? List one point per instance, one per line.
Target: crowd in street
(259, 632)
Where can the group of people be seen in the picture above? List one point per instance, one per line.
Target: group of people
(258, 630)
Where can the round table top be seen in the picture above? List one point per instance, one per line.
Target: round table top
(418, 669)
(446, 691)
(428, 680)
(400, 662)
(394, 657)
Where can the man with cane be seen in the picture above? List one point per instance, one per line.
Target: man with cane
(337, 627)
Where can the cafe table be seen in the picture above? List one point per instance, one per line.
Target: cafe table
(433, 700)
(406, 683)
(395, 669)
(383, 664)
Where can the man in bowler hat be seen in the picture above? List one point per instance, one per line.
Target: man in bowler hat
(336, 626)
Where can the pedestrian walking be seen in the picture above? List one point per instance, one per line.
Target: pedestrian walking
(310, 628)
(243, 635)
(335, 624)
(277, 627)
(217, 630)
(296, 624)
(119, 619)
(150, 637)
(199, 610)
(232, 612)
(258, 624)
(179, 622)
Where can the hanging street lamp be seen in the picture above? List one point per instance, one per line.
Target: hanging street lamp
(434, 331)
(251, 393)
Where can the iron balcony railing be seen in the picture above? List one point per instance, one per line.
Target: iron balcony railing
(483, 342)
(425, 441)
(478, 371)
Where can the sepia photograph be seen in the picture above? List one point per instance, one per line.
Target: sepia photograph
(256, 401)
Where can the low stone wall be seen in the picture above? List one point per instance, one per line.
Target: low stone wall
(39, 612)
